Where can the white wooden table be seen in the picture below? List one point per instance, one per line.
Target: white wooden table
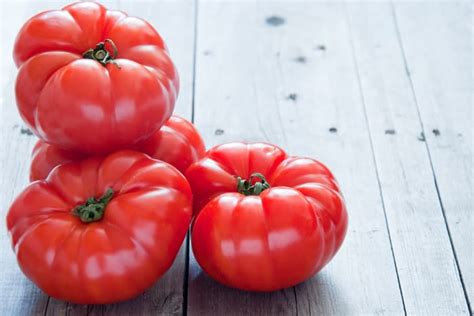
(381, 92)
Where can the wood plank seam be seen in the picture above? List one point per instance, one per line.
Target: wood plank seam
(359, 84)
(279, 76)
(296, 300)
(413, 92)
(193, 94)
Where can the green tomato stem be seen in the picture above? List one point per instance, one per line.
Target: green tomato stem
(93, 210)
(246, 187)
(101, 54)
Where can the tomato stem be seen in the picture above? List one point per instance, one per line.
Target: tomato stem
(101, 54)
(93, 210)
(247, 187)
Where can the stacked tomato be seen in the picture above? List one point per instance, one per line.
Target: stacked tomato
(116, 179)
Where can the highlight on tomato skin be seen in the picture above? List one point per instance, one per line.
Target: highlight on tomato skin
(263, 220)
(93, 80)
(103, 229)
(178, 143)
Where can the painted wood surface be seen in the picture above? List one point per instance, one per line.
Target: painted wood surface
(380, 92)
(414, 214)
(267, 81)
(438, 49)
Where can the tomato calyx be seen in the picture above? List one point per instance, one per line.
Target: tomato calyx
(93, 210)
(250, 187)
(101, 54)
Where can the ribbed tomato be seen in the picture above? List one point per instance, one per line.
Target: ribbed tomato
(177, 142)
(263, 220)
(93, 80)
(101, 230)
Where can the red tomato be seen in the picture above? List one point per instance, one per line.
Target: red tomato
(101, 230)
(91, 79)
(178, 143)
(265, 221)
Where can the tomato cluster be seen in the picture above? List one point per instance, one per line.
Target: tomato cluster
(117, 179)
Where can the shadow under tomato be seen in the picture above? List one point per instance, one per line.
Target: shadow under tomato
(208, 296)
(319, 295)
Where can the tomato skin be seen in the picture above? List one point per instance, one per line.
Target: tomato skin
(45, 157)
(112, 259)
(177, 142)
(79, 104)
(269, 241)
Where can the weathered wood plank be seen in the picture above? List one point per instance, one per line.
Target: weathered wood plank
(437, 42)
(425, 260)
(283, 73)
(175, 22)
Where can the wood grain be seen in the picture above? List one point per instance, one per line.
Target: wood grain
(437, 43)
(414, 214)
(380, 92)
(284, 73)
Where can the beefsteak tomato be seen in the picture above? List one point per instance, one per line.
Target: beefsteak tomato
(177, 142)
(264, 220)
(93, 80)
(101, 230)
